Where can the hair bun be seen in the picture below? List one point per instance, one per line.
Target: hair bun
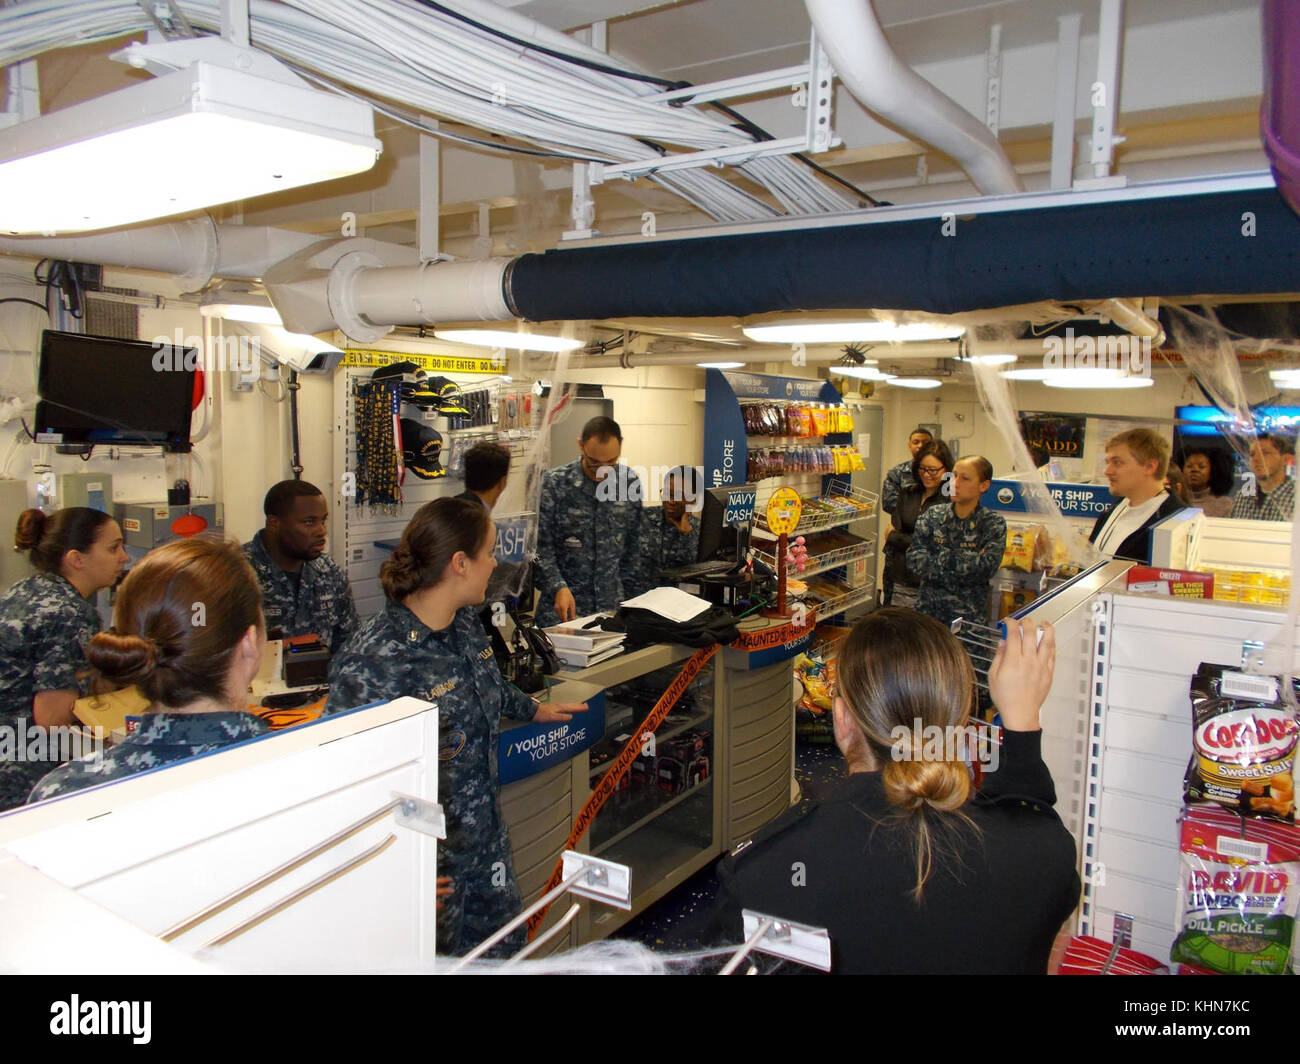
(942, 785)
(124, 659)
(30, 528)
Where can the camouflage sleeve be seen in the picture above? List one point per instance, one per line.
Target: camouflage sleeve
(357, 680)
(632, 559)
(516, 705)
(981, 564)
(60, 653)
(684, 546)
(924, 558)
(889, 491)
(346, 625)
(547, 570)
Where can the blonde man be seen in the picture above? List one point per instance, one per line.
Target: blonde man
(1136, 462)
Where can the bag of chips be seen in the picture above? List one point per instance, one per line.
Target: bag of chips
(1019, 553)
(1243, 743)
(1238, 893)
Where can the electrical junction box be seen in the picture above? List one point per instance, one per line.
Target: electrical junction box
(86, 489)
(146, 525)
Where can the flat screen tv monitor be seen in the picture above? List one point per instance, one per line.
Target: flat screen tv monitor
(100, 390)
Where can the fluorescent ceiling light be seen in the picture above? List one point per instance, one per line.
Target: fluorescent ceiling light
(862, 373)
(987, 360)
(1287, 379)
(850, 332)
(1095, 378)
(516, 341)
(914, 382)
(247, 312)
(1029, 374)
(186, 140)
(719, 365)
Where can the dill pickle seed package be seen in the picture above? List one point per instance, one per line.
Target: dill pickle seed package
(1238, 893)
(1243, 743)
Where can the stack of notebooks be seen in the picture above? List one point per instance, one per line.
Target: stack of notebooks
(579, 647)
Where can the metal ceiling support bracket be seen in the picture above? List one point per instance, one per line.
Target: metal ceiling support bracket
(993, 80)
(817, 76)
(24, 98)
(1067, 77)
(1105, 90)
(234, 22)
(821, 98)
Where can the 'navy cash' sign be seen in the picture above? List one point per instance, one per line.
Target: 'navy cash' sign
(740, 507)
(533, 748)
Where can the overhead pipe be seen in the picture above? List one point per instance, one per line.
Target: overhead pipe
(195, 249)
(866, 63)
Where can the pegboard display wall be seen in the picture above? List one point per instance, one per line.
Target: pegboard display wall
(356, 530)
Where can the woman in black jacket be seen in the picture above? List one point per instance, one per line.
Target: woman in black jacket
(908, 868)
(930, 469)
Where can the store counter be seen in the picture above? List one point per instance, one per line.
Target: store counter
(719, 767)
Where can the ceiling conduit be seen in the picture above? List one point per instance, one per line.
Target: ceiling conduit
(869, 68)
(1180, 245)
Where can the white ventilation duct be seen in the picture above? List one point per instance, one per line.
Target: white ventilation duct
(196, 250)
(867, 65)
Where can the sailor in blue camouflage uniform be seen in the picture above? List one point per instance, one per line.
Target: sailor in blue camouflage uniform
(161, 739)
(427, 642)
(900, 477)
(194, 676)
(958, 546)
(303, 591)
(588, 529)
(670, 537)
(46, 620)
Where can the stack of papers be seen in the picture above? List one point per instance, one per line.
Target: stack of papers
(670, 603)
(579, 647)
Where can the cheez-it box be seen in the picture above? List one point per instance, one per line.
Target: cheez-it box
(1181, 583)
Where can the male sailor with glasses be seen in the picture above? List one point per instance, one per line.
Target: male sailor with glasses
(588, 528)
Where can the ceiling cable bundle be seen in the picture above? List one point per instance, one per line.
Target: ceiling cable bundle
(468, 62)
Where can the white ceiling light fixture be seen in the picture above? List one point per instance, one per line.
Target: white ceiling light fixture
(193, 138)
(1286, 379)
(987, 360)
(914, 382)
(719, 365)
(862, 373)
(515, 341)
(1095, 378)
(850, 332)
(237, 301)
(1035, 373)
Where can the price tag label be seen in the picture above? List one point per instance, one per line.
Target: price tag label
(784, 509)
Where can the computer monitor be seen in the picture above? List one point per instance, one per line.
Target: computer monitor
(725, 523)
(103, 390)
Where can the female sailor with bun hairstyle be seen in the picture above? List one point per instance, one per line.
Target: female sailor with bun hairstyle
(46, 620)
(188, 632)
(427, 642)
(909, 868)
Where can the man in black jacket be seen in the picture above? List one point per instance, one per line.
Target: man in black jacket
(1136, 461)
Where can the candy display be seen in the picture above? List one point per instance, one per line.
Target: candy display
(789, 461)
(799, 420)
(797, 555)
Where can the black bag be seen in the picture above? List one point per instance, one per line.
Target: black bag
(643, 627)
